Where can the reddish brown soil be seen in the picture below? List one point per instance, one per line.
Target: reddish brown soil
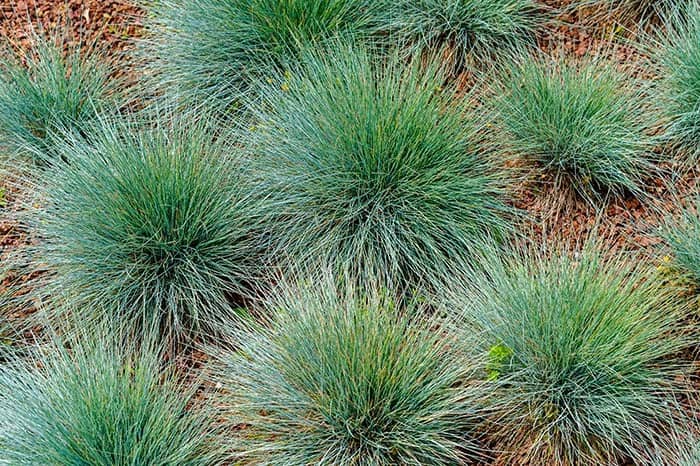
(112, 22)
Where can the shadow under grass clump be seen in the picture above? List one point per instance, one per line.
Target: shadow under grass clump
(374, 167)
(99, 403)
(471, 29)
(51, 89)
(212, 51)
(343, 377)
(153, 220)
(585, 123)
(585, 357)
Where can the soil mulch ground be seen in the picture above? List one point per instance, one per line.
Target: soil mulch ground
(111, 22)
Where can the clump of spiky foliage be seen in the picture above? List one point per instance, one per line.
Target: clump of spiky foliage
(152, 220)
(584, 122)
(479, 27)
(210, 50)
(344, 379)
(683, 237)
(99, 403)
(584, 356)
(375, 167)
(679, 53)
(48, 90)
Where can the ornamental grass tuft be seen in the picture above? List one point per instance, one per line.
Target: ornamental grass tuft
(90, 400)
(584, 356)
(376, 168)
(629, 13)
(678, 51)
(153, 220)
(343, 378)
(213, 50)
(584, 123)
(468, 28)
(683, 237)
(52, 88)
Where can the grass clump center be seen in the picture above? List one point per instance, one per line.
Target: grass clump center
(583, 122)
(584, 357)
(154, 223)
(376, 168)
(337, 379)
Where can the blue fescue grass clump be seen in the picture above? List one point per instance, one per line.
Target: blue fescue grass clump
(683, 237)
(480, 28)
(341, 376)
(585, 356)
(153, 220)
(212, 50)
(102, 404)
(375, 167)
(679, 53)
(50, 89)
(585, 123)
